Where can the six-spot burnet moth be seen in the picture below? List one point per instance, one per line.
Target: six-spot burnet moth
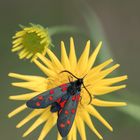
(63, 99)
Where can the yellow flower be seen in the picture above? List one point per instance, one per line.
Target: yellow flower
(31, 40)
(96, 81)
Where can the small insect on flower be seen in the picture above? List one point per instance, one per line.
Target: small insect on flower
(31, 40)
(68, 94)
(63, 99)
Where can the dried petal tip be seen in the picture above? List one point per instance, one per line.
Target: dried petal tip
(31, 40)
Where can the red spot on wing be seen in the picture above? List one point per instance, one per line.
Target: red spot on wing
(64, 89)
(62, 104)
(73, 98)
(40, 98)
(50, 98)
(66, 112)
(58, 100)
(38, 104)
(78, 97)
(73, 111)
(63, 85)
(51, 91)
(68, 122)
(62, 125)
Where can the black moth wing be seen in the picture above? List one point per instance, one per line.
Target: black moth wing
(67, 115)
(47, 98)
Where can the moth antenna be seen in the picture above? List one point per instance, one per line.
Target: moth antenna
(88, 94)
(84, 76)
(87, 86)
(69, 73)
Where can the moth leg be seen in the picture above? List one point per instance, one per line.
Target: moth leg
(72, 78)
(69, 79)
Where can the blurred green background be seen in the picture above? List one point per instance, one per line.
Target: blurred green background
(116, 23)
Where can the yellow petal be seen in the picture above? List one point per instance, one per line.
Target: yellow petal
(29, 55)
(105, 90)
(69, 137)
(27, 29)
(17, 110)
(45, 61)
(16, 45)
(55, 60)
(93, 56)
(96, 114)
(97, 69)
(103, 103)
(26, 77)
(19, 34)
(72, 132)
(48, 126)
(17, 40)
(33, 114)
(59, 136)
(93, 78)
(23, 53)
(35, 86)
(72, 55)
(38, 122)
(74, 135)
(34, 57)
(27, 96)
(45, 50)
(81, 127)
(82, 63)
(87, 119)
(47, 71)
(64, 57)
(17, 48)
(43, 41)
(110, 81)
(102, 74)
(103, 65)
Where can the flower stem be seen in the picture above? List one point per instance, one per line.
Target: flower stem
(63, 29)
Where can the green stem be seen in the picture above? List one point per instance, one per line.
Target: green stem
(63, 29)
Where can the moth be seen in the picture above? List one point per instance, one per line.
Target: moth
(64, 100)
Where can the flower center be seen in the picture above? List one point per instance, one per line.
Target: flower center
(32, 43)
